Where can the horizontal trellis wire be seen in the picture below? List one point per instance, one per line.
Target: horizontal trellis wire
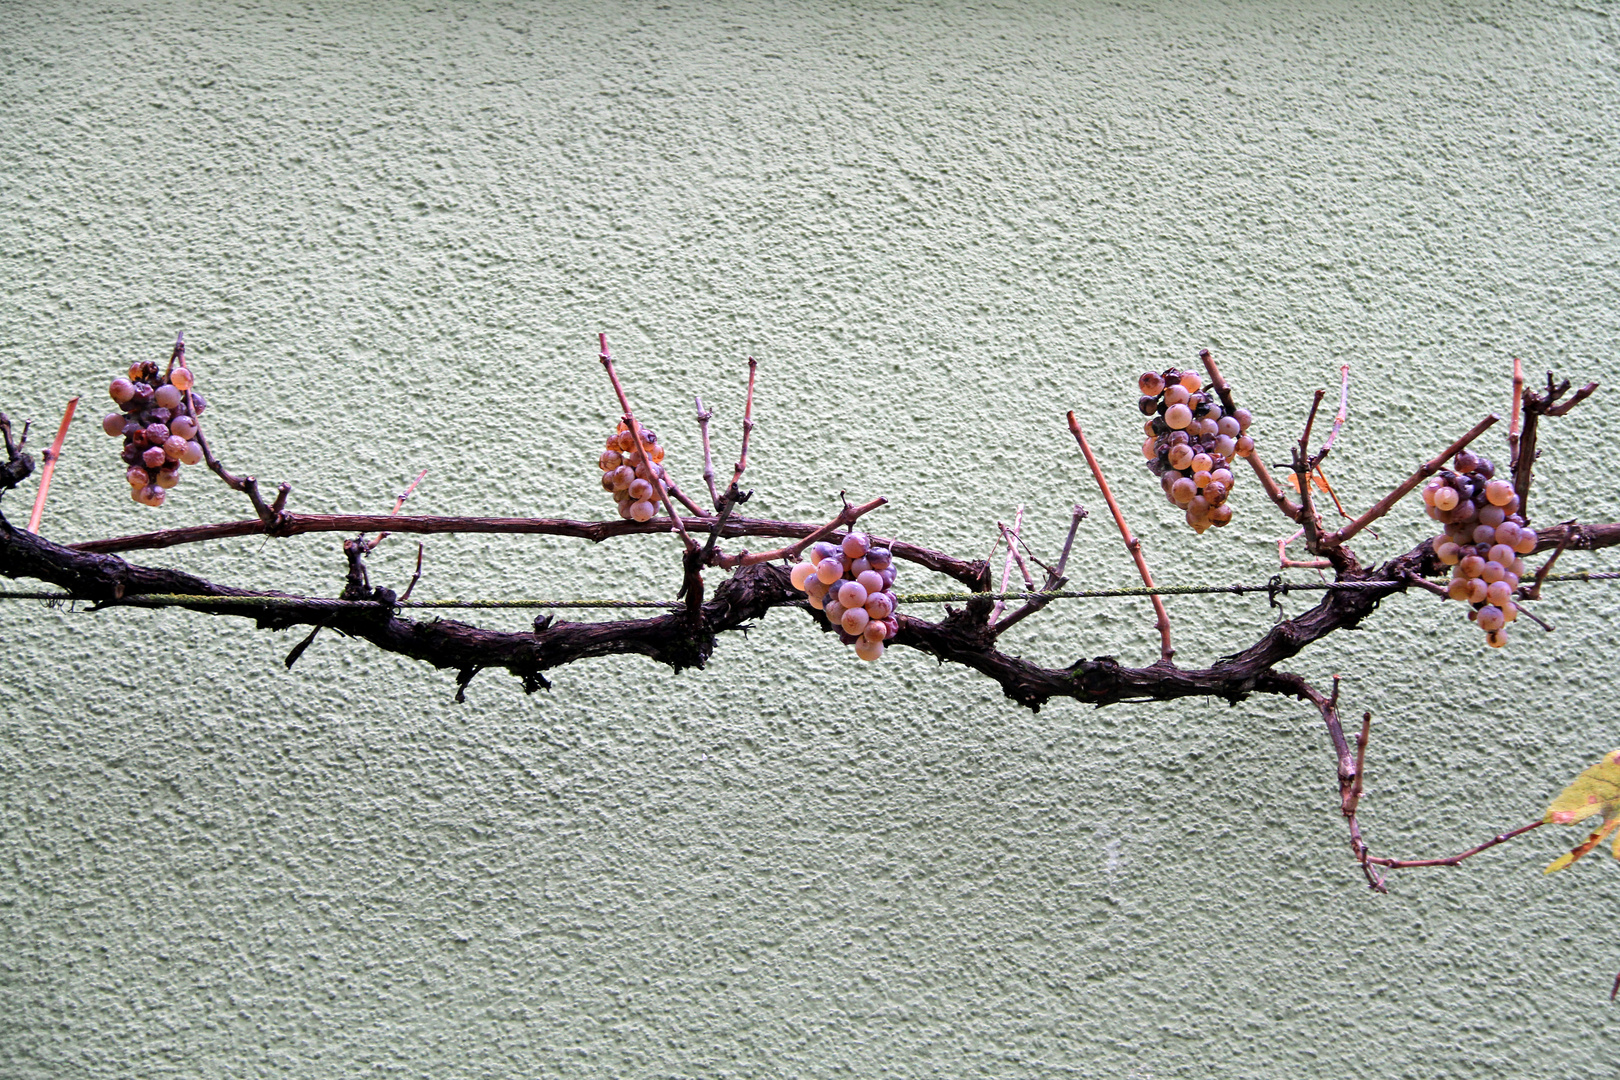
(1275, 587)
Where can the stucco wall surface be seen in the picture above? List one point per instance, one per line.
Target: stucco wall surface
(391, 231)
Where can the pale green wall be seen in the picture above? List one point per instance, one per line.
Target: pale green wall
(390, 232)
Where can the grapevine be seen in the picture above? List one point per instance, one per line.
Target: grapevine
(1197, 440)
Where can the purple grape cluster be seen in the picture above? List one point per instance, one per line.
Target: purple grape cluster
(1484, 541)
(158, 420)
(629, 478)
(852, 583)
(1191, 444)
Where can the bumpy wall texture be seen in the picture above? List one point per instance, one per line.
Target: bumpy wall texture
(391, 231)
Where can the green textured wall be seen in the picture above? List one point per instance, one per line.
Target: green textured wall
(390, 232)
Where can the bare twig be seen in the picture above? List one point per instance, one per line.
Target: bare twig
(1500, 838)
(1010, 536)
(1297, 564)
(1340, 417)
(641, 447)
(1533, 592)
(51, 455)
(845, 518)
(1535, 407)
(1513, 422)
(703, 418)
(1054, 577)
(1533, 617)
(748, 425)
(414, 577)
(1424, 471)
(1132, 544)
(1429, 586)
(399, 502)
(1290, 509)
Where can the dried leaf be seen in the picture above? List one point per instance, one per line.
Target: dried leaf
(1595, 791)
(1318, 481)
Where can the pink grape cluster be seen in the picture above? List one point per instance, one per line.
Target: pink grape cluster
(1484, 542)
(852, 584)
(1191, 444)
(159, 424)
(629, 478)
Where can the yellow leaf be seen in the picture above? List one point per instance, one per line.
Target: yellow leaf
(1585, 845)
(1595, 791)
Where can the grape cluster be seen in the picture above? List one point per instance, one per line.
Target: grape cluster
(852, 584)
(1191, 444)
(628, 478)
(159, 424)
(1485, 540)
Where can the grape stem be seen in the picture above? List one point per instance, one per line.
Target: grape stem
(1297, 564)
(1290, 509)
(270, 515)
(51, 455)
(17, 465)
(1132, 544)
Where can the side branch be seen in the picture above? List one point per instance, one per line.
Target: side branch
(1132, 544)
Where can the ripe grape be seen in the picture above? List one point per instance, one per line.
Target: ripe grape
(845, 581)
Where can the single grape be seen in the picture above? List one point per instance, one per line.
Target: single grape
(852, 594)
(815, 588)
(1498, 593)
(833, 610)
(642, 510)
(167, 397)
(1502, 553)
(610, 460)
(1220, 515)
(154, 495)
(153, 457)
(1150, 449)
(875, 630)
(856, 544)
(1446, 498)
(854, 620)
(183, 426)
(1490, 618)
(113, 423)
(132, 454)
(801, 573)
(1446, 552)
(1484, 534)
(1178, 416)
(1191, 381)
(1181, 456)
(1183, 491)
(870, 580)
(1458, 588)
(880, 558)
(869, 650)
(1526, 544)
(829, 570)
(138, 477)
(1492, 515)
(1499, 492)
(1471, 566)
(879, 605)
(640, 490)
(623, 477)
(1148, 405)
(173, 447)
(1151, 382)
(1177, 395)
(121, 390)
(168, 477)
(181, 378)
